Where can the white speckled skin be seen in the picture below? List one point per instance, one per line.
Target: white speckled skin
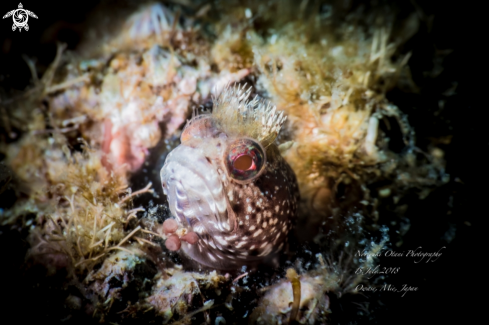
(237, 224)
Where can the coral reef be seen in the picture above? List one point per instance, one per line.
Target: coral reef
(98, 115)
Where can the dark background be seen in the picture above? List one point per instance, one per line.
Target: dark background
(448, 287)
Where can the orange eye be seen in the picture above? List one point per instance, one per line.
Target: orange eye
(245, 160)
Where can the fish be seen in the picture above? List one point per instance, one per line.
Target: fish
(228, 183)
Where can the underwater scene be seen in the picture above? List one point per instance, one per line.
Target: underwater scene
(238, 162)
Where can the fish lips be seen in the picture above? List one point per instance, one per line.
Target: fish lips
(195, 191)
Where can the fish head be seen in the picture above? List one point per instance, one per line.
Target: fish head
(228, 183)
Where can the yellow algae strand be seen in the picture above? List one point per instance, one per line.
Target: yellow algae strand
(296, 291)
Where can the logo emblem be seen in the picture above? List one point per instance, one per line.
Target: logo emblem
(20, 17)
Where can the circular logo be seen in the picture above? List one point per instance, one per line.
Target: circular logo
(20, 18)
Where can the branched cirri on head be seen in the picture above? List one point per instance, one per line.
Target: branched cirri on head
(228, 183)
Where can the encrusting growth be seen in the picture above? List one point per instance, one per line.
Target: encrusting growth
(92, 213)
(98, 116)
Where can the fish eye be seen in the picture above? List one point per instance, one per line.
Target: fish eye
(245, 160)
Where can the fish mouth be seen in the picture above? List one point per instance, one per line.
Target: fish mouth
(197, 199)
(195, 192)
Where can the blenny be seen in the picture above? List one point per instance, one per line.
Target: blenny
(228, 183)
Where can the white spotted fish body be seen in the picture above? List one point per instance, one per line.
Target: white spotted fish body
(228, 183)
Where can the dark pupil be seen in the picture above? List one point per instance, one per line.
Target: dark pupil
(243, 162)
